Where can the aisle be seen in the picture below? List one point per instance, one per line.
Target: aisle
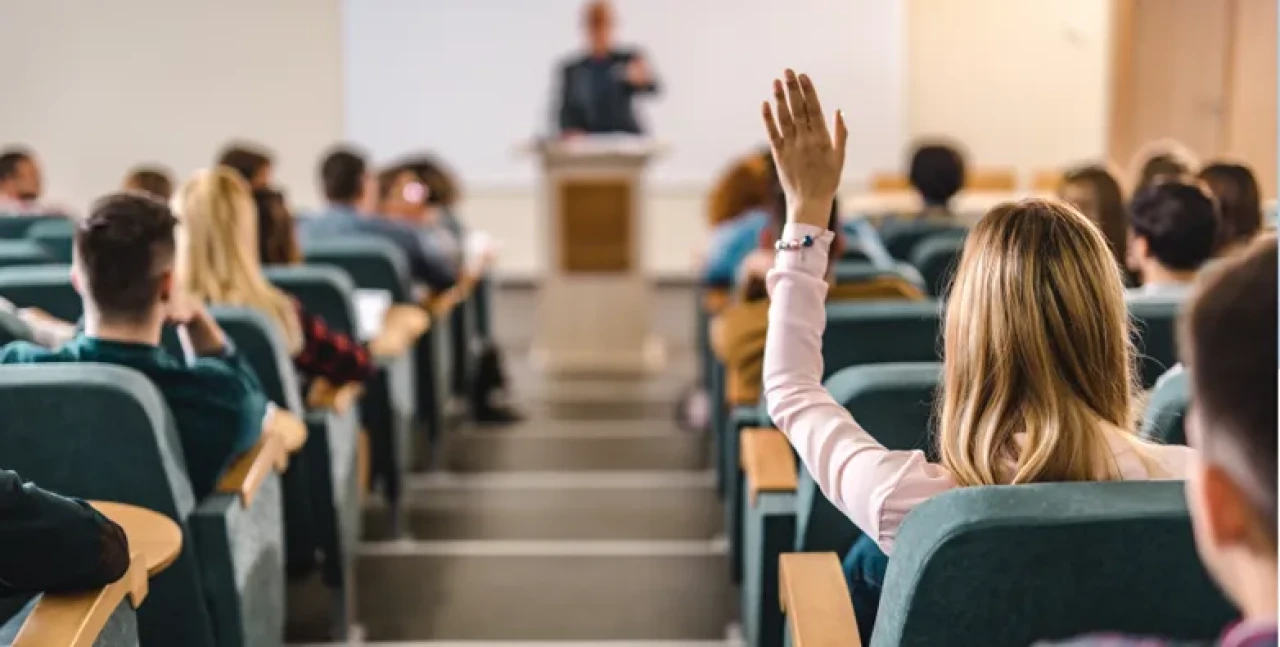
(595, 520)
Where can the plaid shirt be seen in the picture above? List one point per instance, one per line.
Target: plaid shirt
(1241, 634)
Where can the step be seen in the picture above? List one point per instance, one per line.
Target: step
(547, 446)
(538, 591)
(565, 506)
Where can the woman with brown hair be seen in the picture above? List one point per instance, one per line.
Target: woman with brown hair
(738, 213)
(1096, 193)
(1239, 204)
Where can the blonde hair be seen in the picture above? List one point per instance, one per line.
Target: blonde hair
(1038, 364)
(217, 259)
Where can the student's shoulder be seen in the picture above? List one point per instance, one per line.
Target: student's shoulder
(25, 352)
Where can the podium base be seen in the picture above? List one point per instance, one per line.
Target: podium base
(647, 360)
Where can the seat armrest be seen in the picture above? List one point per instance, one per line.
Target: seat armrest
(154, 539)
(324, 395)
(440, 305)
(815, 599)
(401, 328)
(77, 619)
(244, 477)
(767, 462)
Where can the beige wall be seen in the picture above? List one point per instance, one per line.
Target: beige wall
(1022, 83)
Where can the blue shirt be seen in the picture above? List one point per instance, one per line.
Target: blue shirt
(217, 402)
(425, 263)
(731, 243)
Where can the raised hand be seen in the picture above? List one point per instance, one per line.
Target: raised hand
(808, 159)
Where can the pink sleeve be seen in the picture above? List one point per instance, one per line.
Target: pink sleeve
(873, 486)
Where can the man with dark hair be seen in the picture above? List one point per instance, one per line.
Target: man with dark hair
(20, 183)
(937, 174)
(1172, 227)
(122, 266)
(151, 180)
(1229, 343)
(352, 193)
(253, 163)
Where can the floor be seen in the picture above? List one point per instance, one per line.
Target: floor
(594, 521)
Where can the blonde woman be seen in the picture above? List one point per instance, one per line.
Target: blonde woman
(1037, 381)
(218, 263)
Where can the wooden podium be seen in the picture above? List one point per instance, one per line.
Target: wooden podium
(594, 307)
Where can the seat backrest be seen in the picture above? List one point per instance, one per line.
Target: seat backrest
(14, 253)
(54, 235)
(1163, 420)
(47, 287)
(880, 332)
(1008, 565)
(371, 262)
(901, 236)
(937, 258)
(262, 343)
(1155, 336)
(98, 431)
(16, 226)
(326, 292)
(894, 403)
(861, 271)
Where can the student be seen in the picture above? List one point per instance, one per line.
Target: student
(150, 179)
(1037, 376)
(1171, 235)
(937, 174)
(253, 163)
(218, 264)
(403, 197)
(738, 214)
(1228, 337)
(1161, 161)
(50, 543)
(123, 263)
(1095, 192)
(277, 239)
(1239, 204)
(351, 191)
(20, 183)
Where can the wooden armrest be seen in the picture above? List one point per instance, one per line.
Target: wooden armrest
(154, 539)
(76, 619)
(714, 301)
(767, 462)
(324, 395)
(815, 598)
(245, 476)
(401, 328)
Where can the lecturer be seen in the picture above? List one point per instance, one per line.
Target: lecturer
(596, 89)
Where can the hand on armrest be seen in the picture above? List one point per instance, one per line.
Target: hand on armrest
(815, 598)
(245, 475)
(767, 461)
(76, 619)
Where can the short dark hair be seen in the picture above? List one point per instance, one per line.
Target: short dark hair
(246, 159)
(1239, 201)
(1229, 343)
(342, 175)
(1161, 167)
(151, 179)
(1178, 221)
(937, 172)
(10, 158)
(124, 248)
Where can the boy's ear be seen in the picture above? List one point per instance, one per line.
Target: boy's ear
(1227, 514)
(166, 286)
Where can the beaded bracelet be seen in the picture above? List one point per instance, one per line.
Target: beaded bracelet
(793, 245)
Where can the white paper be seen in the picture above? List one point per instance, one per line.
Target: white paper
(371, 311)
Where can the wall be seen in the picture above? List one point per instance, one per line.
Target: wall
(1021, 83)
(96, 87)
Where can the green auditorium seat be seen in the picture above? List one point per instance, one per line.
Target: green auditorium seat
(894, 403)
(54, 235)
(1163, 420)
(116, 442)
(901, 236)
(328, 293)
(47, 287)
(15, 227)
(375, 264)
(859, 271)
(937, 258)
(1155, 337)
(16, 253)
(1005, 566)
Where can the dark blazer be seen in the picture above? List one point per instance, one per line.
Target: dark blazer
(595, 96)
(53, 543)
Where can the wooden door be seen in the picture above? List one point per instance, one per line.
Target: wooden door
(1251, 96)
